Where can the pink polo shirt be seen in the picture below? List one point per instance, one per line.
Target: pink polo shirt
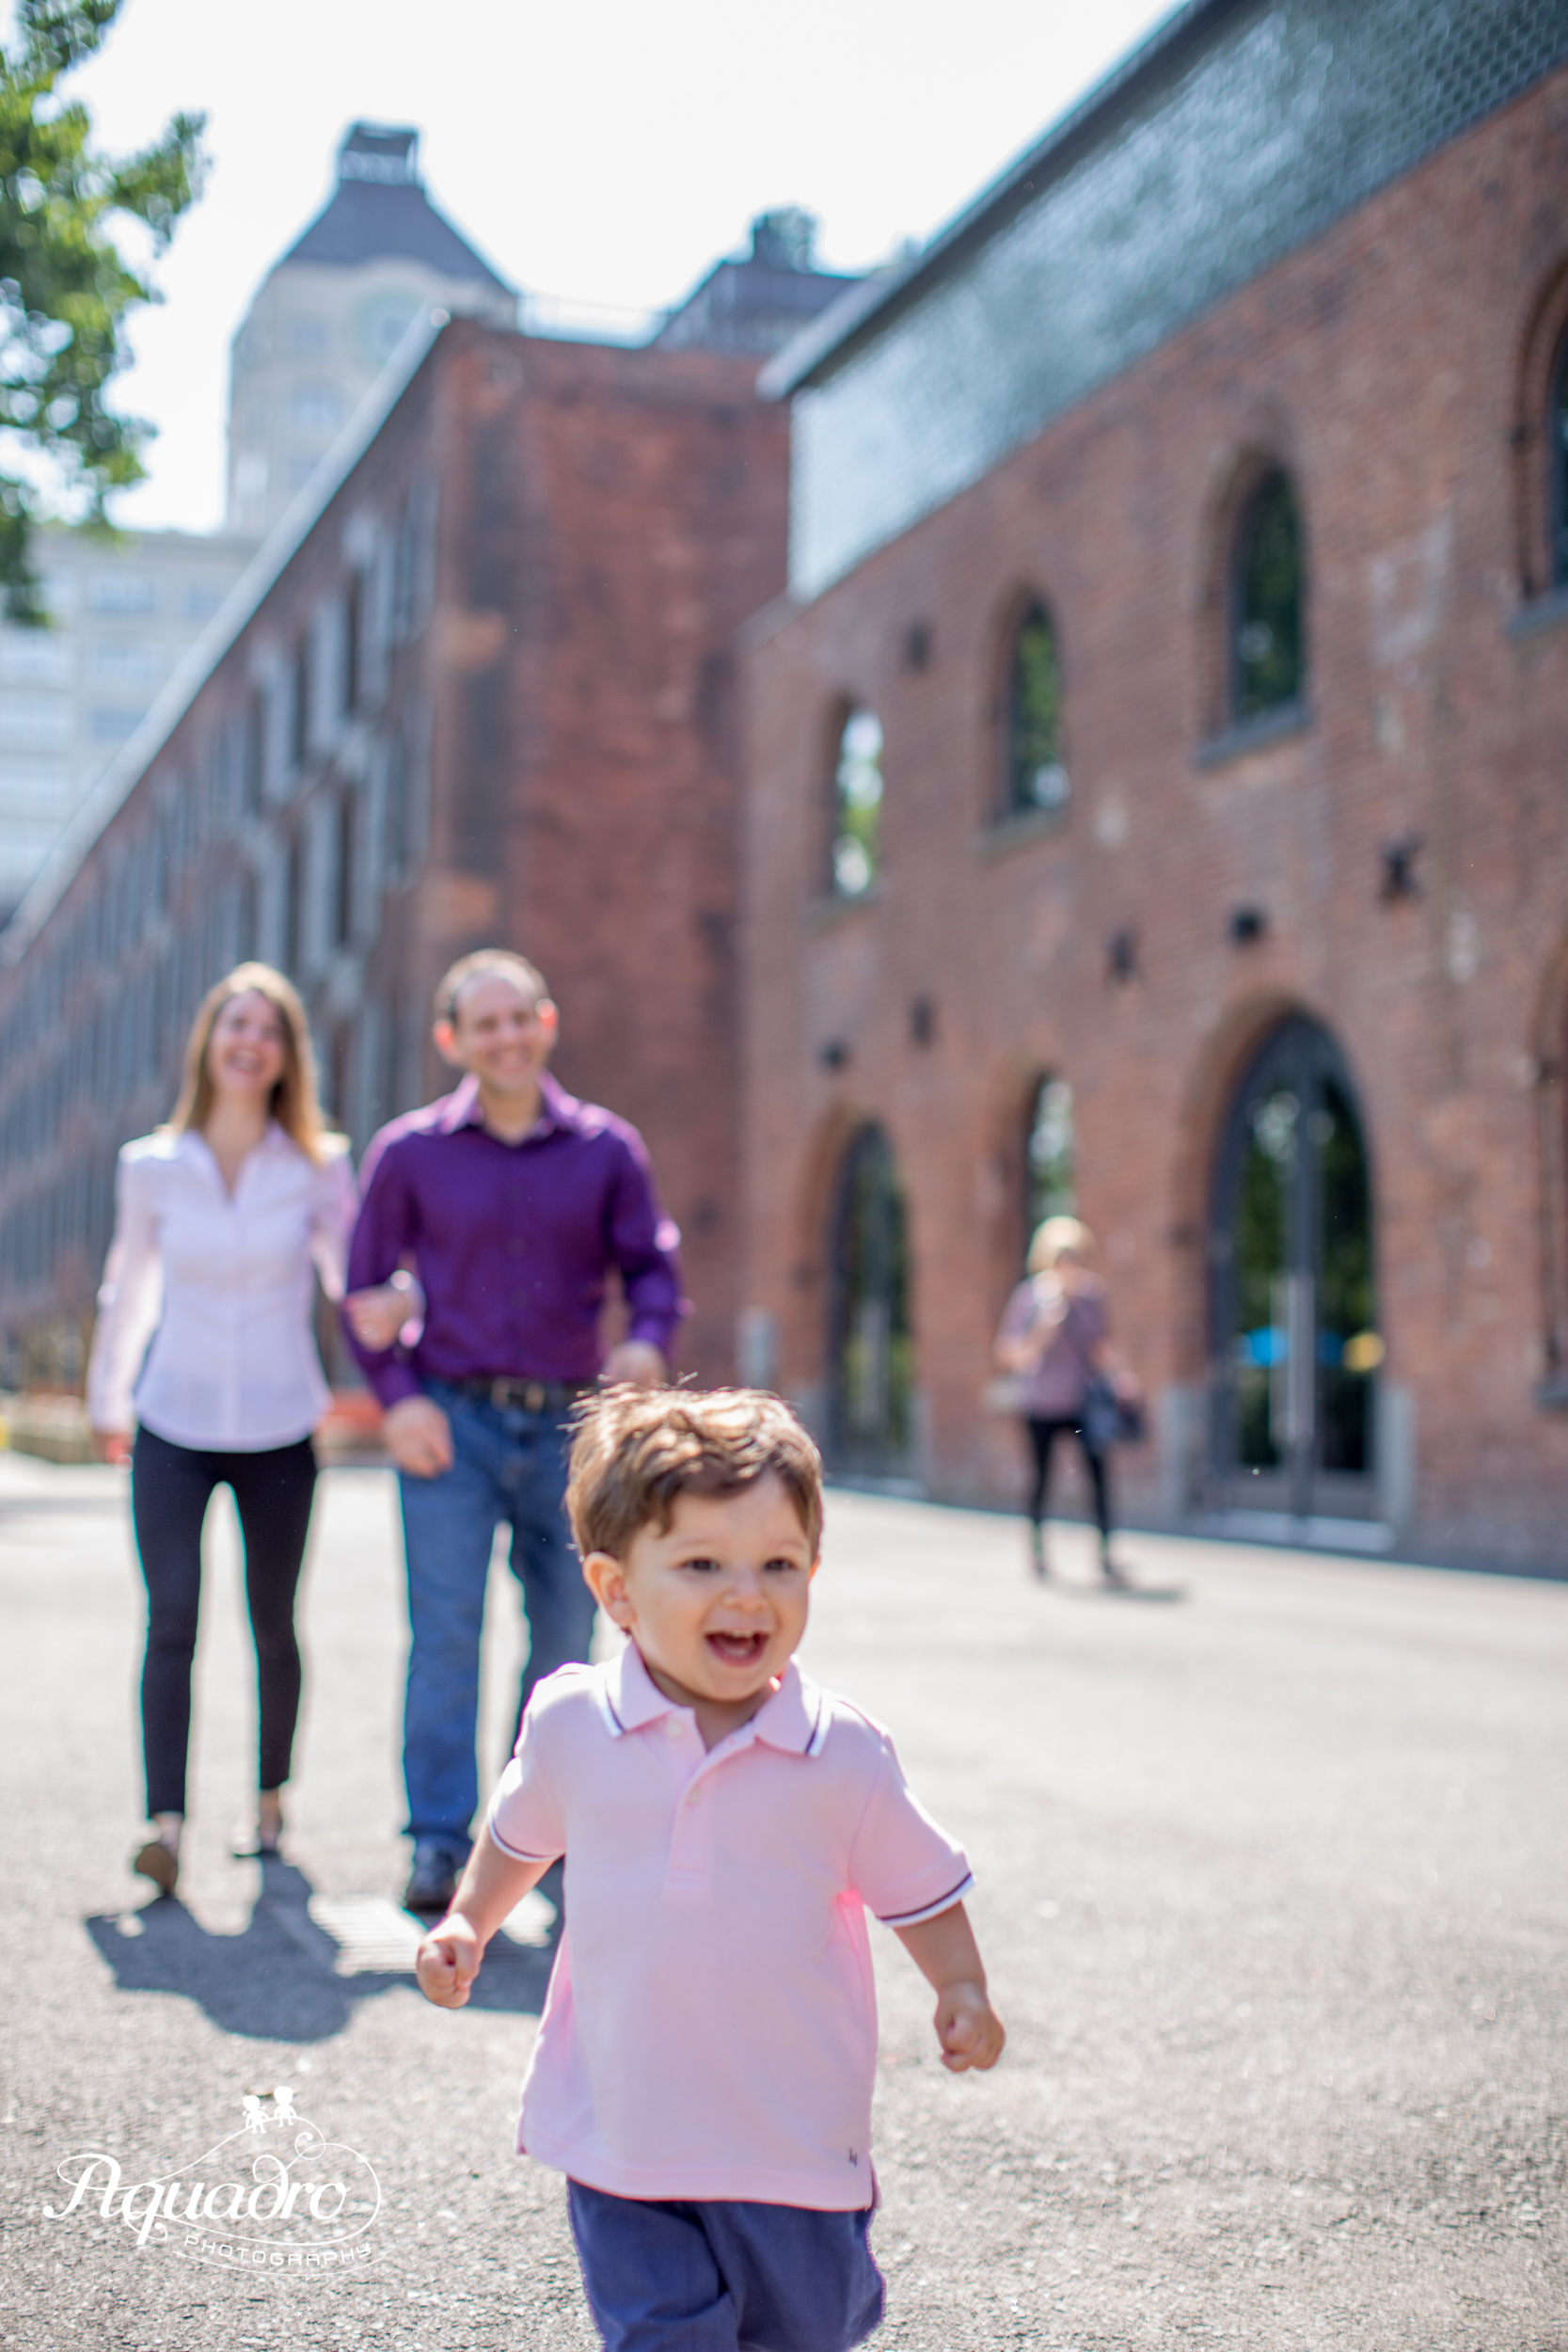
(710, 2029)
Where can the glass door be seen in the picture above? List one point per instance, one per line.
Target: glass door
(1295, 1347)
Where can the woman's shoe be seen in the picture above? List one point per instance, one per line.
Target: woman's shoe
(260, 1838)
(250, 1845)
(157, 1862)
(257, 1840)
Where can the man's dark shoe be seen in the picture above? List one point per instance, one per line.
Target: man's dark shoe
(433, 1881)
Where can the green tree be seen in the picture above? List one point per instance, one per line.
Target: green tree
(65, 288)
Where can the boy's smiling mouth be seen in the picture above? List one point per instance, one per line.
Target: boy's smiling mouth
(737, 1649)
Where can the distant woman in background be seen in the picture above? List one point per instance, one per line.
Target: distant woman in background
(1053, 1340)
(223, 1218)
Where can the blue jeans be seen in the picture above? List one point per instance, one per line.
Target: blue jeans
(722, 2276)
(506, 1465)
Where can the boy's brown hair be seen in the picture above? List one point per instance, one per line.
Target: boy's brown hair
(636, 1449)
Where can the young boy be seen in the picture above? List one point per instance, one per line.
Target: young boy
(703, 2069)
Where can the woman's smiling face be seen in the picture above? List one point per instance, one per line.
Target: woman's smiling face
(246, 1051)
(717, 1602)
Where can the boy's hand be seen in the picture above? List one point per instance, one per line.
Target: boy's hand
(969, 2029)
(944, 1951)
(448, 1961)
(493, 1882)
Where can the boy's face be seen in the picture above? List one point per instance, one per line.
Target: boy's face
(717, 1602)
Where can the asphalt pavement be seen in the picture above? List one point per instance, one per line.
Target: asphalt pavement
(1271, 1864)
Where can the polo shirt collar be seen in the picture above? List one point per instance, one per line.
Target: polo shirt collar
(793, 1719)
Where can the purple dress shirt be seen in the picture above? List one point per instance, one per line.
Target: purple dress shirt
(512, 1241)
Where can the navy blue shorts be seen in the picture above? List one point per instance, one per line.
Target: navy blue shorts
(721, 2276)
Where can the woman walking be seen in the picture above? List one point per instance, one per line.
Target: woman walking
(221, 1217)
(1053, 1339)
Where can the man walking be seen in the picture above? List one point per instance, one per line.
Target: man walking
(511, 1203)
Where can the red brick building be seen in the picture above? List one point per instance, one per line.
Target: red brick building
(1161, 755)
(480, 689)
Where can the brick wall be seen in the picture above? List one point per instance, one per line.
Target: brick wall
(541, 558)
(608, 520)
(1396, 366)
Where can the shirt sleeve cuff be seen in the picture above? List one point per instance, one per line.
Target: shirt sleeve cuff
(930, 1910)
(655, 1332)
(392, 1383)
(110, 1409)
(516, 1853)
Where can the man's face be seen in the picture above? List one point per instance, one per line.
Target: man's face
(498, 1032)
(717, 1602)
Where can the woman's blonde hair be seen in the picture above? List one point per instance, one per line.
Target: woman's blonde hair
(1056, 1234)
(295, 1103)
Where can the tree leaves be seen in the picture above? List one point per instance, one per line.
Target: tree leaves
(65, 288)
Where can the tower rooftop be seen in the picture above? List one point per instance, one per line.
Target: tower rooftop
(379, 209)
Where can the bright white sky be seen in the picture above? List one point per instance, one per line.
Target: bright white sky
(603, 152)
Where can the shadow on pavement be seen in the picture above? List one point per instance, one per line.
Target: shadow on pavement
(1127, 1592)
(284, 1977)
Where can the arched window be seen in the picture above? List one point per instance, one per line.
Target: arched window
(1268, 670)
(857, 815)
(1558, 439)
(1035, 774)
(1049, 1151)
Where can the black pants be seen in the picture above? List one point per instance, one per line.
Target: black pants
(170, 1488)
(1043, 1436)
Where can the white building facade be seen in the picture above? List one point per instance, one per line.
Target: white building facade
(124, 610)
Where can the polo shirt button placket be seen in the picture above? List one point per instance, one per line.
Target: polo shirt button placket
(689, 1876)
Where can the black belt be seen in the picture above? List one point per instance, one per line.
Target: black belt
(527, 1396)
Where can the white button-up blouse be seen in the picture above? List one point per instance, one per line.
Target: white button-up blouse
(223, 1287)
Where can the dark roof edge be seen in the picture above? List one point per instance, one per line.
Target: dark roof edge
(892, 290)
(485, 267)
(469, 246)
(239, 608)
